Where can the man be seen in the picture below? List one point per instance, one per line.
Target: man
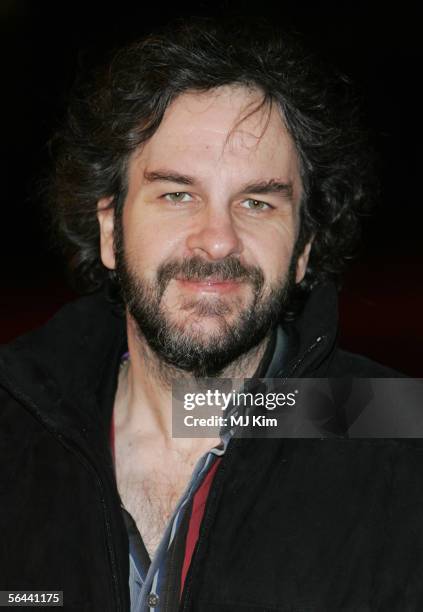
(210, 184)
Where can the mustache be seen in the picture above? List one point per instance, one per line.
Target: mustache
(199, 269)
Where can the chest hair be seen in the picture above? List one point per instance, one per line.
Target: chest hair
(151, 500)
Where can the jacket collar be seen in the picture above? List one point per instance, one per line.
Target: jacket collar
(56, 369)
(312, 335)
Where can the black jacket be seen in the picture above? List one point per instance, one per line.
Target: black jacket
(292, 525)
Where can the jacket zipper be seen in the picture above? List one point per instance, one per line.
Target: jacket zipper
(106, 512)
(207, 518)
(295, 366)
(210, 508)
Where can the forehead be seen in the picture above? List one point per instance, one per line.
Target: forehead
(224, 129)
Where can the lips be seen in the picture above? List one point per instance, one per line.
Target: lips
(208, 279)
(210, 283)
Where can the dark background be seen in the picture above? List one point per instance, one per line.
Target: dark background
(44, 43)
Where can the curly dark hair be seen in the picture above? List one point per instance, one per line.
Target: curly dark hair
(111, 115)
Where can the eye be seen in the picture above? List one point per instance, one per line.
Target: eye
(258, 205)
(177, 197)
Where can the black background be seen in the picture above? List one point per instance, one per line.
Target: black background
(43, 43)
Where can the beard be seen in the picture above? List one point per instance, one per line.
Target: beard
(185, 345)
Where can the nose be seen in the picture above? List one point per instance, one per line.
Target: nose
(215, 236)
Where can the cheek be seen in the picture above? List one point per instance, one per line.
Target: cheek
(148, 243)
(272, 250)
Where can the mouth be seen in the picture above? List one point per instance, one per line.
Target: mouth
(209, 284)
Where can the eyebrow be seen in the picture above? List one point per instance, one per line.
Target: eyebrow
(269, 187)
(260, 188)
(168, 176)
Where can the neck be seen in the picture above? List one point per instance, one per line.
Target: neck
(144, 397)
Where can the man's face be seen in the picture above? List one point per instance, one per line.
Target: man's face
(205, 244)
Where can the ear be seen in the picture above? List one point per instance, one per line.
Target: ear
(105, 216)
(302, 262)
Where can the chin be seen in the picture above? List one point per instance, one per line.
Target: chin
(202, 326)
